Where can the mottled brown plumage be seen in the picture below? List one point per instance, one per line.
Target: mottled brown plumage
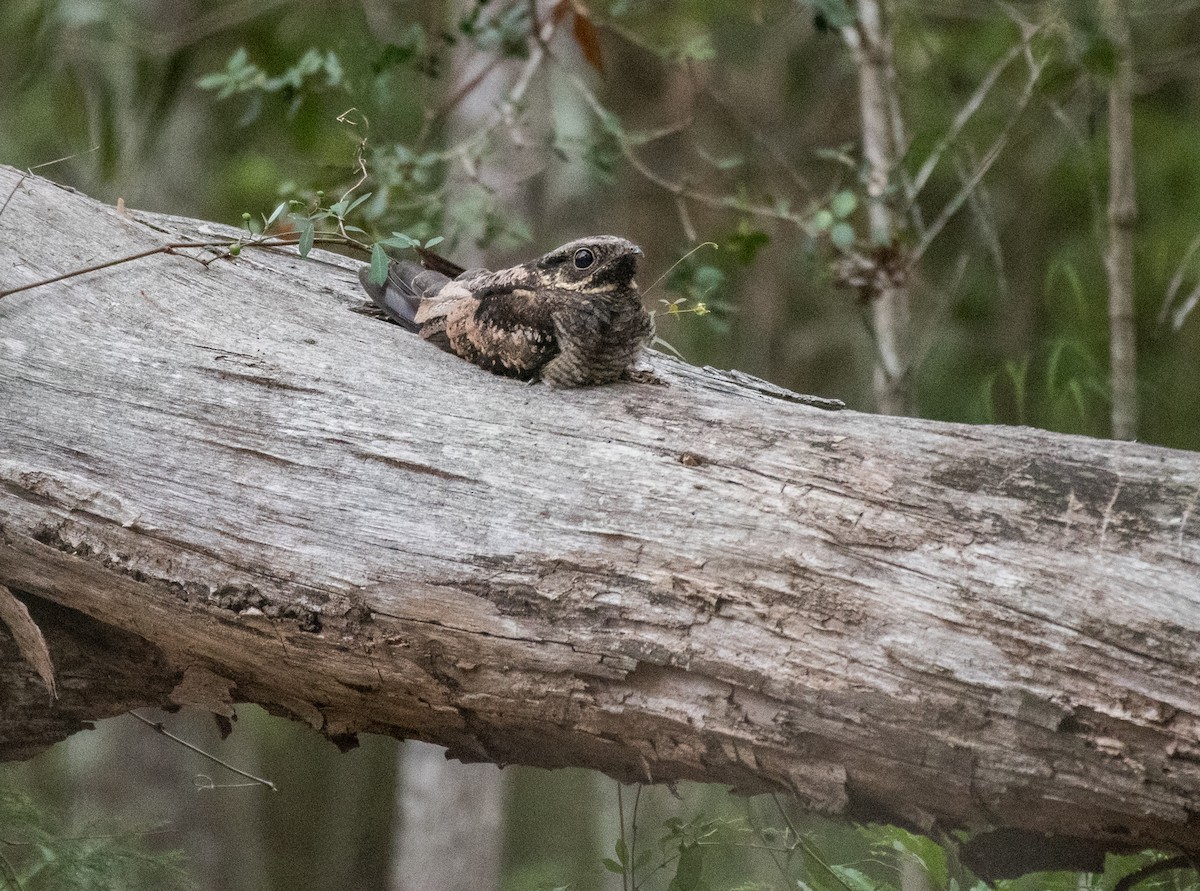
(572, 318)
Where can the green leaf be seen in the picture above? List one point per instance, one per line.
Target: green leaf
(843, 204)
(357, 201)
(687, 873)
(275, 214)
(438, 239)
(744, 244)
(400, 240)
(822, 220)
(212, 81)
(853, 878)
(622, 853)
(613, 866)
(842, 236)
(837, 14)
(307, 234)
(379, 264)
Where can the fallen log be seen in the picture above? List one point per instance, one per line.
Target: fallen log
(221, 483)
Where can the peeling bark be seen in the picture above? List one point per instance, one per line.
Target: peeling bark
(225, 469)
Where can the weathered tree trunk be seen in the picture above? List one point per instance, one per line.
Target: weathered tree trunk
(224, 476)
(870, 39)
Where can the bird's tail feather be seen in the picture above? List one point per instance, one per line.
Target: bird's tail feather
(406, 286)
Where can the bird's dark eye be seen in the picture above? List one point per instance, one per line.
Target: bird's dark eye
(584, 258)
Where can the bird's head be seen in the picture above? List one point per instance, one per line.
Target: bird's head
(595, 265)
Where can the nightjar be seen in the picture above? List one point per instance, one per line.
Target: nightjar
(571, 318)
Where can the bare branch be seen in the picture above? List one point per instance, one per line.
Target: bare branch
(964, 116)
(158, 727)
(981, 208)
(1174, 286)
(993, 153)
(626, 146)
(275, 241)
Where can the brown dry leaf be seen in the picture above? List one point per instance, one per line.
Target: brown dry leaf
(28, 636)
(588, 38)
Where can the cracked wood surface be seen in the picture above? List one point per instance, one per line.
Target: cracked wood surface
(891, 618)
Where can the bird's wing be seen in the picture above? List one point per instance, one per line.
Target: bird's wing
(507, 327)
(438, 263)
(401, 296)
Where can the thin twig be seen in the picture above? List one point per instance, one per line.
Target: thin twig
(459, 95)
(1177, 281)
(637, 799)
(685, 218)
(678, 189)
(29, 172)
(161, 249)
(1189, 303)
(945, 299)
(761, 831)
(953, 205)
(360, 163)
(157, 727)
(624, 846)
(271, 242)
(101, 836)
(730, 113)
(9, 873)
(4, 206)
(964, 115)
(980, 205)
(807, 848)
(658, 280)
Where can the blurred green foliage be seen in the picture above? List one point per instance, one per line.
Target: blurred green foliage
(39, 853)
(727, 121)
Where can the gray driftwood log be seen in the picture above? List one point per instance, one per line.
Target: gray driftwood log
(220, 482)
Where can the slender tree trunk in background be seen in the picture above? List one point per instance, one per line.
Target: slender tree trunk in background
(870, 39)
(1122, 216)
(450, 817)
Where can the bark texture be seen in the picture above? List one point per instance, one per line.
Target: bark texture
(222, 477)
(887, 296)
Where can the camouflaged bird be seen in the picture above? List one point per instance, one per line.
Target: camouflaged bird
(572, 318)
